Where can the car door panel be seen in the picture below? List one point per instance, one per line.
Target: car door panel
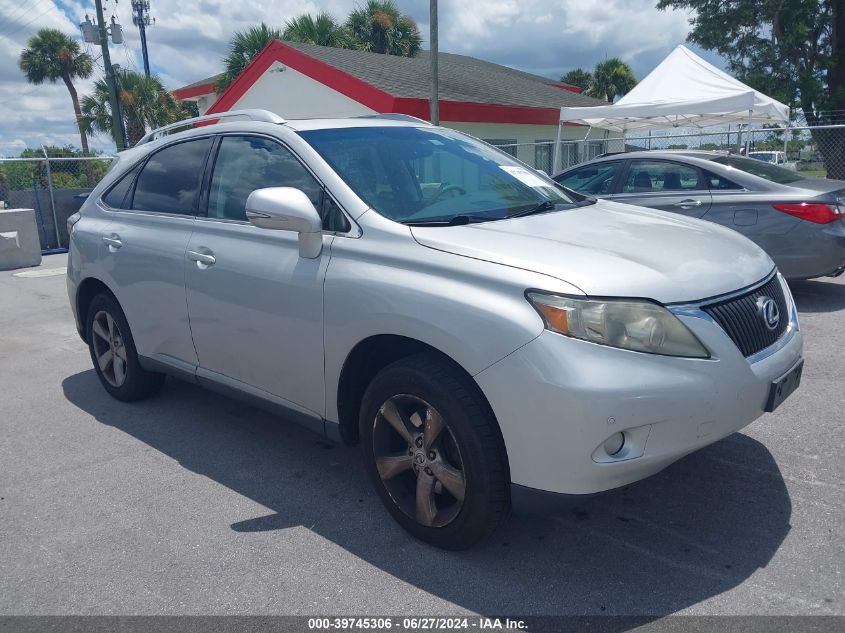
(256, 306)
(148, 273)
(256, 311)
(665, 185)
(144, 248)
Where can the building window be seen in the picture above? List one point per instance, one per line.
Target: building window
(543, 155)
(595, 148)
(568, 155)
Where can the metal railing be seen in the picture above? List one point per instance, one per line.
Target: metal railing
(54, 186)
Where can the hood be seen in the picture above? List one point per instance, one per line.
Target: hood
(612, 249)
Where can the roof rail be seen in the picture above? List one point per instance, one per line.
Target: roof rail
(253, 115)
(393, 116)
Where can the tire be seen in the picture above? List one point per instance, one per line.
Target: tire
(420, 473)
(109, 338)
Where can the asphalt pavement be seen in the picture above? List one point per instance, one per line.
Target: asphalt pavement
(192, 503)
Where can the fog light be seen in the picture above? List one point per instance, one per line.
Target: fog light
(614, 444)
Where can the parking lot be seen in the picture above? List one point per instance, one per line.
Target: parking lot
(191, 503)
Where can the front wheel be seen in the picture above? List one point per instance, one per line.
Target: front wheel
(434, 452)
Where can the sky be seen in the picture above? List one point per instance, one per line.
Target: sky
(189, 39)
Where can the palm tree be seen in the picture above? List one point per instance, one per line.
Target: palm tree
(144, 103)
(578, 77)
(318, 29)
(380, 28)
(611, 78)
(51, 55)
(243, 47)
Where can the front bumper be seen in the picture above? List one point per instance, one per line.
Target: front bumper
(558, 400)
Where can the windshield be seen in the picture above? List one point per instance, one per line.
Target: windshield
(413, 175)
(758, 168)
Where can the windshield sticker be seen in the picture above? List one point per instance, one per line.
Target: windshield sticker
(524, 175)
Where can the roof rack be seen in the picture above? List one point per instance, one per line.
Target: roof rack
(253, 115)
(393, 116)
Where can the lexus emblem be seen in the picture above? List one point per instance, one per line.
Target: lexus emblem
(769, 312)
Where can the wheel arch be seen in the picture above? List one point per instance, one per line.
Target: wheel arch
(89, 288)
(370, 356)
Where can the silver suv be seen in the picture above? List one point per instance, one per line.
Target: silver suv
(488, 337)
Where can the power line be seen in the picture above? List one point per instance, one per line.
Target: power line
(10, 33)
(16, 14)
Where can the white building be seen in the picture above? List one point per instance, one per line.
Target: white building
(501, 105)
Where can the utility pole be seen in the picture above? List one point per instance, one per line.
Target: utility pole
(141, 19)
(432, 37)
(116, 116)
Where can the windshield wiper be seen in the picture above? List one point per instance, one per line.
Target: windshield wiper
(545, 205)
(457, 220)
(548, 205)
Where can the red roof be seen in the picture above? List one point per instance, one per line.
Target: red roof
(399, 78)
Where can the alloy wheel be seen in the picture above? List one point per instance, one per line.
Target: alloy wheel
(109, 348)
(418, 460)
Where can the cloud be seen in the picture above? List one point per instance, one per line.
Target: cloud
(189, 39)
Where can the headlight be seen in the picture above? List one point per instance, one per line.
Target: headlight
(640, 326)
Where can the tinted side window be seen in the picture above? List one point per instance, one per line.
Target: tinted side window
(592, 179)
(170, 180)
(118, 196)
(333, 218)
(644, 176)
(247, 163)
(720, 183)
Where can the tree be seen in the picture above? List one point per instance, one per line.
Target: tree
(320, 29)
(243, 47)
(611, 78)
(792, 50)
(379, 27)
(144, 103)
(578, 77)
(51, 55)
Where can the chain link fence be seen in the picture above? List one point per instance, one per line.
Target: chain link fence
(54, 186)
(814, 151)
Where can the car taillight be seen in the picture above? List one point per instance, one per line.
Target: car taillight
(812, 211)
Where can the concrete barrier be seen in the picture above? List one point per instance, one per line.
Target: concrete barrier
(19, 243)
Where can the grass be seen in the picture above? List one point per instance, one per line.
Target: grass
(814, 173)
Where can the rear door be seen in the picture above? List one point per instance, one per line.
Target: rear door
(255, 305)
(144, 248)
(665, 185)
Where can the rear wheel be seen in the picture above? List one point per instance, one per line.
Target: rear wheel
(113, 352)
(434, 452)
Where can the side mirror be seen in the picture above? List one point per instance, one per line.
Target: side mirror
(287, 209)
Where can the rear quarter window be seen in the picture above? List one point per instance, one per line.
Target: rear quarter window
(118, 196)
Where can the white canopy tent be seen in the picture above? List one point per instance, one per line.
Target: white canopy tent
(683, 91)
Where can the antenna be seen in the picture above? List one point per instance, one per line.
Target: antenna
(141, 19)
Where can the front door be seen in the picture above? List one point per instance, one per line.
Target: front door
(255, 305)
(665, 185)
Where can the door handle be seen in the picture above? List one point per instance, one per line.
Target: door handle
(113, 242)
(203, 260)
(686, 204)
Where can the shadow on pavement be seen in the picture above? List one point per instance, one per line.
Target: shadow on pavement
(818, 296)
(694, 531)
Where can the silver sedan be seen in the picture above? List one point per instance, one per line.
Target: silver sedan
(798, 221)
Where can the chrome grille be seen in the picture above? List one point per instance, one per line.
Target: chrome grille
(742, 321)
